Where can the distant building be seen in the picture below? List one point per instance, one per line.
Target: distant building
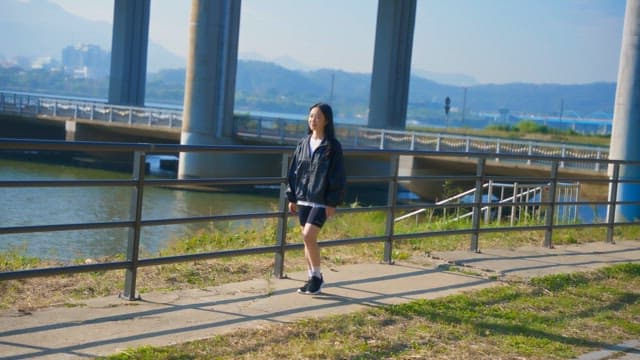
(44, 63)
(19, 61)
(86, 61)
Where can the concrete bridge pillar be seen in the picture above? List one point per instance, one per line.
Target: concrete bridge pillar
(392, 64)
(210, 86)
(127, 79)
(626, 114)
(70, 130)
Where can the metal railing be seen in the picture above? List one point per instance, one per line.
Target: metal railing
(274, 130)
(139, 183)
(522, 197)
(287, 131)
(26, 104)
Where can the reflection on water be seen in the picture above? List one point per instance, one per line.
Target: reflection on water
(65, 205)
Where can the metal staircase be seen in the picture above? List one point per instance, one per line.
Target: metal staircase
(513, 202)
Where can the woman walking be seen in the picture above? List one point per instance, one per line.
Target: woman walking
(316, 186)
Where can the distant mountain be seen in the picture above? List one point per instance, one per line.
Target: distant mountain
(266, 86)
(39, 28)
(585, 99)
(546, 99)
(291, 86)
(446, 78)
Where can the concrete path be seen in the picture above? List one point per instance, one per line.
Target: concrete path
(106, 326)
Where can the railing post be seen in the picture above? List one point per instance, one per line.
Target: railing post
(55, 108)
(382, 139)
(613, 199)
(392, 197)
(563, 153)
(512, 219)
(133, 248)
(487, 214)
(467, 144)
(550, 216)
(475, 215)
(530, 152)
(413, 141)
(93, 107)
(438, 141)
(281, 231)
(598, 157)
(130, 115)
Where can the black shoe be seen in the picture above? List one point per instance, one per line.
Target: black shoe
(303, 288)
(315, 285)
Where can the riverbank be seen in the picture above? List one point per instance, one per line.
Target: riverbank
(423, 307)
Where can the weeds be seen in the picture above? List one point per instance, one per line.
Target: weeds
(584, 312)
(64, 290)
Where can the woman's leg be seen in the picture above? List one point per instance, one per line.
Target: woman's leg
(311, 248)
(306, 252)
(311, 220)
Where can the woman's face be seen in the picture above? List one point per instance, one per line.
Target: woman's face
(317, 121)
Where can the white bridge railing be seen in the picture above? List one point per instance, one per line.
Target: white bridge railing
(25, 104)
(286, 131)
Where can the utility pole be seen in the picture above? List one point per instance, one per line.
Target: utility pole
(447, 107)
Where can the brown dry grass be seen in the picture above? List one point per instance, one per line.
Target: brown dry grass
(71, 290)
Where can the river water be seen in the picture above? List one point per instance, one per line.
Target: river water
(24, 206)
(64, 205)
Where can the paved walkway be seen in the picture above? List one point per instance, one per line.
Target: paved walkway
(108, 325)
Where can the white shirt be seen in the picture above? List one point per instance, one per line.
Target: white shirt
(313, 145)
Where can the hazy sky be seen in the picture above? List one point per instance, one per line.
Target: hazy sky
(494, 41)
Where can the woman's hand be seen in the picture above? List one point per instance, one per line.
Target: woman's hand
(293, 208)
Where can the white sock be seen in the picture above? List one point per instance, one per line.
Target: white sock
(316, 272)
(310, 273)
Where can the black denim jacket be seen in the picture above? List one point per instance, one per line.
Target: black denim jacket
(319, 178)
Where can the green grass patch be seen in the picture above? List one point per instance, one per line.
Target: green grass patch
(60, 290)
(551, 317)
(14, 259)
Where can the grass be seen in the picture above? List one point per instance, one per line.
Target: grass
(551, 317)
(71, 290)
(551, 135)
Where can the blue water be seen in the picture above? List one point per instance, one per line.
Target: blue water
(68, 205)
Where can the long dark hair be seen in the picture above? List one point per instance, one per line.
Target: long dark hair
(329, 129)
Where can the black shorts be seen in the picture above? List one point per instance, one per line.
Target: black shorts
(314, 215)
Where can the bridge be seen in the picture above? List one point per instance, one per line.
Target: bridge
(210, 84)
(94, 121)
(166, 123)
